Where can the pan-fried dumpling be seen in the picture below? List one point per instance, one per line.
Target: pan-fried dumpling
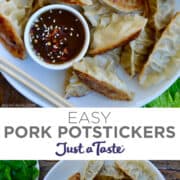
(126, 5)
(138, 170)
(144, 41)
(12, 15)
(91, 169)
(127, 59)
(115, 31)
(95, 12)
(40, 3)
(105, 177)
(99, 73)
(135, 54)
(165, 58)
(160, 13)
(74, 87)
(111, 172)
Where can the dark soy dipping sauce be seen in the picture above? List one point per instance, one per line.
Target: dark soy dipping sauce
(57, 36)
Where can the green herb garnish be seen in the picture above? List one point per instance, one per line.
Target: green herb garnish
(18, 170)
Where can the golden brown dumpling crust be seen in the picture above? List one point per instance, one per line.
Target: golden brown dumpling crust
(102, 87)
(126, 5)
(78, 2)
(75, 177)
(104, 177)
(10, 39)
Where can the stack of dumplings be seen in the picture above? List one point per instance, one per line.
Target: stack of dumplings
(116, 170)
(140, 30)
(140, 36)
(164, 61)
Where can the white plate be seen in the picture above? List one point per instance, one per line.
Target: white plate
(55, 81)
(64, 169)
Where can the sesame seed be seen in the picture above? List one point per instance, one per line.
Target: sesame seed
(45, 26)
(71, 34)
(72, 29)
(35, 41)
(54, 21)
(55, 47)
(60, 12)
(77, 35)
(48, 43)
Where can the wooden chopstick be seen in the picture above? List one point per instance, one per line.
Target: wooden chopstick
(34, 85)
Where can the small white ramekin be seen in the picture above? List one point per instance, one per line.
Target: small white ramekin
(29, 46)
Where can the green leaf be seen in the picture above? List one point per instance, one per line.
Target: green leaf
(18, 170)
(6, 175)
(16, 165)
(35, 173)
(177, 100)
(2, 166)
(31, 163)
(170, 98)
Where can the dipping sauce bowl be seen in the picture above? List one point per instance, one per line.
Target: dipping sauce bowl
(56, 36)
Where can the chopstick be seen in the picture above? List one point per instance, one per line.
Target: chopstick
(34, 85)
